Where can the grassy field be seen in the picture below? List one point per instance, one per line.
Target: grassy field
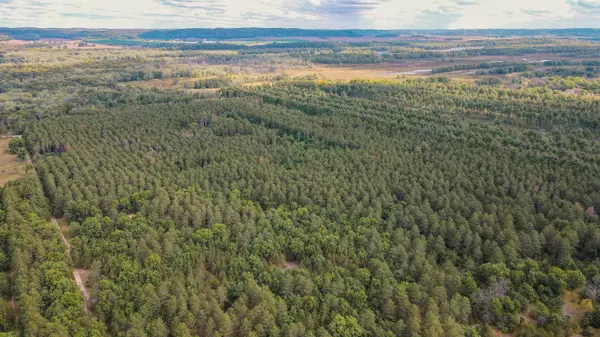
(10, 167)
(257, 42)
(123, 42)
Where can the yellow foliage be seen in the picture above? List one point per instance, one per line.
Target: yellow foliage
(586, 305)
(29, 68)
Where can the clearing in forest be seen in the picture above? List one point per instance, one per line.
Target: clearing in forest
(388, 71)
(290, 265)
(498, 333)
(63, 224)
(11, 168)
(572, 307)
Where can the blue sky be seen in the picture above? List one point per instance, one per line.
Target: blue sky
(330, 14)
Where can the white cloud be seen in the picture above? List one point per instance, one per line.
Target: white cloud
(382, 14)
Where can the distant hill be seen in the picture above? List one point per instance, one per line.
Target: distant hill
(31, 34)
(242, 33)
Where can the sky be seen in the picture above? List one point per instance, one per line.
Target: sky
(315, 14)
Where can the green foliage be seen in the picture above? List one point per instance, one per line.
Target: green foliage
(212, 83)
(490, 81)
(47, 297)
(15, 144)
(419, 207)
(345, 326)
(317, 226)
(7, 316)
(574, 279)
(81, 210)
(592, 318)
(21, 154)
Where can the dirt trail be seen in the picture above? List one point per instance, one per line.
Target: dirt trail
(13, 304)
(62, 236)
(79, 275)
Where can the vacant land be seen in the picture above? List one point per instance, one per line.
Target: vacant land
(360, 71)
(60, 43)
(11, 168)
(389, 70)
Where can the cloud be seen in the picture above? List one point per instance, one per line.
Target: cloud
(536, 12)
(465, 2)
(210, 6)
(331, 14)
(442, 17)
(340, 7)
(88, 16)
(585, 6)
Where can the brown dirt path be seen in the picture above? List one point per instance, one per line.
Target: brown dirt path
(79, 275)
(62, 236)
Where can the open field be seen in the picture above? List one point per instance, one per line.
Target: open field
(10, 167)
(572, 307)
(407, 68)
(363, 71)
(60, 43)
(380, 71)
(376, 71)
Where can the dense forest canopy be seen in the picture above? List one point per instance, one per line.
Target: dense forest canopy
(237, 191)
(240, 33)
(402, 209)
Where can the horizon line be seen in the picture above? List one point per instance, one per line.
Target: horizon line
(305, 29)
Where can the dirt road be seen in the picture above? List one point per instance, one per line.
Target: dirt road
(79, 275)
(62, 236)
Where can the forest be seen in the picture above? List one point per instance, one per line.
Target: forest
(176, 191)
(33, 34)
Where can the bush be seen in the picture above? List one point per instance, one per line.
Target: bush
(574, 279)
(592, 318)
(15, 144)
